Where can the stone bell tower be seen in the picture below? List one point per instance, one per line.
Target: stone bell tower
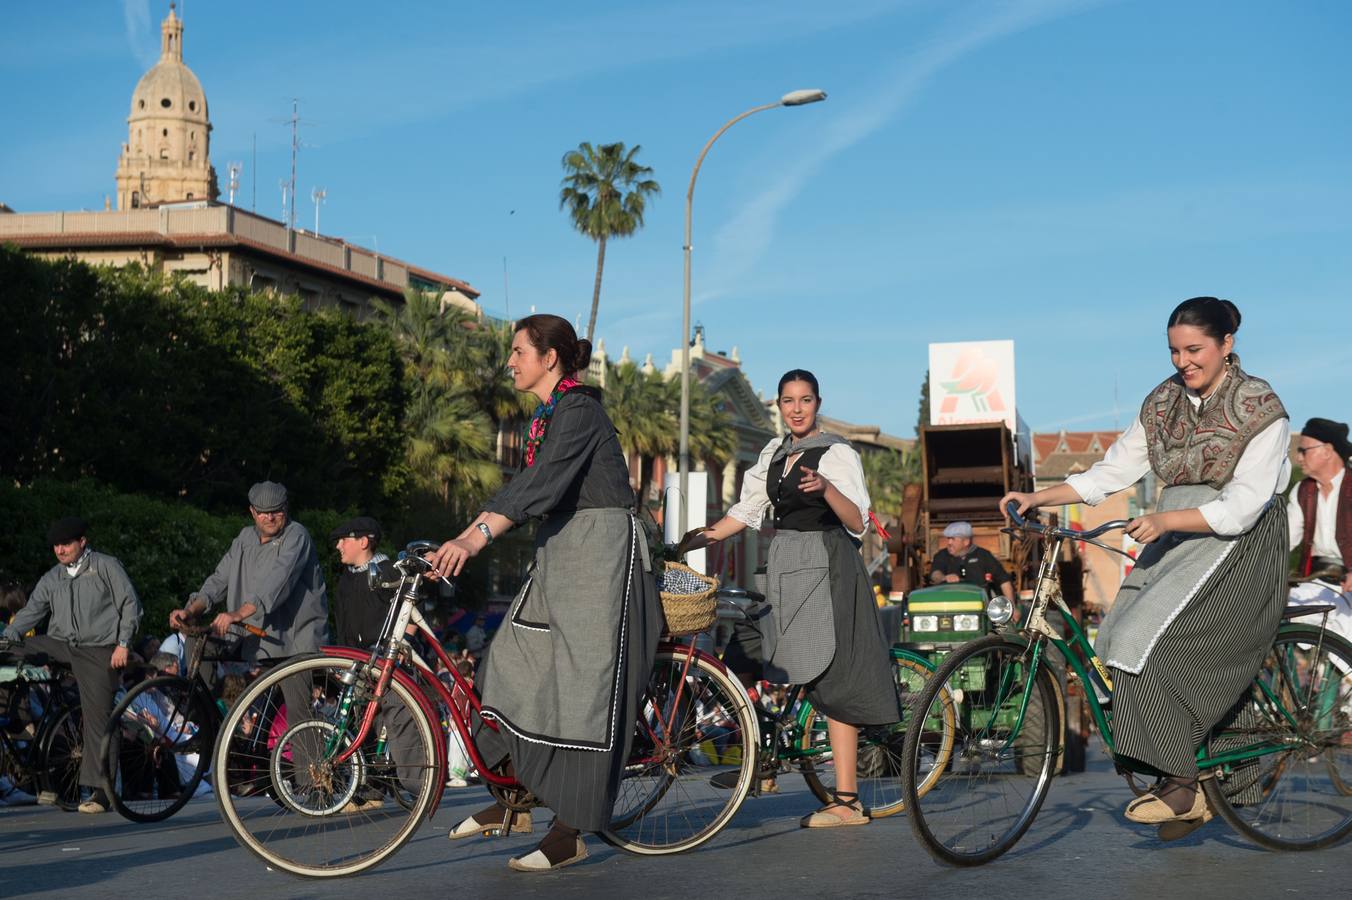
(166, 156)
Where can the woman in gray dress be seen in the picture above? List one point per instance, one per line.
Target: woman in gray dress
(826, 632)
(1194, 619)
(563, 676)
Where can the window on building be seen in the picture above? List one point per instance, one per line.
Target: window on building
(166, 102)
(164, 132)
(190, 196)
(140, 104)
(192, 106)
(164, 153)
(190, 155)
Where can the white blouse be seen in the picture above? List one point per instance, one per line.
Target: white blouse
(1264, 468)
(839, 465)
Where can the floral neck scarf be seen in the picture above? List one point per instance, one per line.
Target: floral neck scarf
(535, 434)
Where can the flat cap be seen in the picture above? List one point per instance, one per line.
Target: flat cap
(361, 526)
(63, 531)
(958, 529)
(1329, 432)
(267, 496)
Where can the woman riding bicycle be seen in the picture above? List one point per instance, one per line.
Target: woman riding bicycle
(563, 676)
(1192, 622)
(827, 632)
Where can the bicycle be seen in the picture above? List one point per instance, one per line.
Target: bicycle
(1270, 772)
(160, 736)
(383, 733)
(46, 759)
(690, 788)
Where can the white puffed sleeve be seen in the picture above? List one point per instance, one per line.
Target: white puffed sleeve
(1125, 463)
(1263, 469)
(750, 507)
(841, 466)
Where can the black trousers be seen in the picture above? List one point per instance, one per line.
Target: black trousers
(98, 683)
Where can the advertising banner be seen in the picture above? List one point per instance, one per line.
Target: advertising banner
(972, 381)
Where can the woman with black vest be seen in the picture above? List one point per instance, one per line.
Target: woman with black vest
(1194, 619)
(825, 631)
(563, 676)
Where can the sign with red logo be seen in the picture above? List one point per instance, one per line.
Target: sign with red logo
(972, 381)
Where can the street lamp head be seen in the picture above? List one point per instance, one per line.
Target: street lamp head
(798, 98)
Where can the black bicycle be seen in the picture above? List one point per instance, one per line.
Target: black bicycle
(41, 754)
(159, 739)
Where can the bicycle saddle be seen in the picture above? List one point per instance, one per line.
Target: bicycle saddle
(1313, 609)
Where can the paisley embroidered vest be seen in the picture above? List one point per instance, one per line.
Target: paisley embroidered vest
(1203, 445)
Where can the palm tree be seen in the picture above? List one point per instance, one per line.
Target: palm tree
(636, 402)
(451, 452)
(605, 192)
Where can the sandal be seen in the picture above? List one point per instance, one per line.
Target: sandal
(488, 823)
(1151, 809)
(822, 818)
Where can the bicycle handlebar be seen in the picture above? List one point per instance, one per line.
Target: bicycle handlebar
(1018, 521)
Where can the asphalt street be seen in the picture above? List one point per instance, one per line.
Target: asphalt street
(1080, 845)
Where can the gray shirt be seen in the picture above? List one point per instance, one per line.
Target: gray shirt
(282, 578)
(97, 607)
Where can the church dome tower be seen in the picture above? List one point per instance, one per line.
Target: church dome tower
(166, 156)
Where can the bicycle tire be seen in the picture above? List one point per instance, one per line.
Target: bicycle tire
(144, 780)
(985, 682)
(880, 754)
(302, 824)
(667, 800)
(61, 746)
(1295, 798)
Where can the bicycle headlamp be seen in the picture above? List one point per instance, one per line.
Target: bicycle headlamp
(999, 610)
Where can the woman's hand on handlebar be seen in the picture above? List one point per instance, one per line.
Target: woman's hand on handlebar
(448, 559)
(1024, 502)
(1146, 529)
(695, 539)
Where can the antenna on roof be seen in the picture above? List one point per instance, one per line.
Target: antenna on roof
(232, 181)
(318, 195)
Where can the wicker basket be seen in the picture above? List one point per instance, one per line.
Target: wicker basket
(689, 599)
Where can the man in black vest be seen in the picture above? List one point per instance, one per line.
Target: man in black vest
(358, 611)
(1319, 515)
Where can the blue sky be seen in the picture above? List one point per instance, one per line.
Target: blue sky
(1058, 172)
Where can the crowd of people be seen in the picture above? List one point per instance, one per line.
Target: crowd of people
(562, 677)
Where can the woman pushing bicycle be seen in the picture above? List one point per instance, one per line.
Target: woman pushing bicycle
(825, 631)
(1193, 621)
(563, 676)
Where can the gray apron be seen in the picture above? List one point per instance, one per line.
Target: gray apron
(1167, 576)
(802, 640)
(552, 673)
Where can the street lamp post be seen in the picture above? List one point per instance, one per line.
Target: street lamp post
(793, 98)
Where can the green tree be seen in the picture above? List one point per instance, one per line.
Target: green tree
(605, 193)
(637, 403)
(886, 473)
(451, 450)
(923, 415)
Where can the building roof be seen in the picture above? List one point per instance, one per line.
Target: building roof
(205, 224)
(1062, 453)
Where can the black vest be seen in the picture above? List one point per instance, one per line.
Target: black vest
(358, 611)
(795, 510)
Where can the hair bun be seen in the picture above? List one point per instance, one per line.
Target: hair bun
(1233, 312)
(582, 356)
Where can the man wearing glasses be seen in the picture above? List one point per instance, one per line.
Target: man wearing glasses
(1319, 513)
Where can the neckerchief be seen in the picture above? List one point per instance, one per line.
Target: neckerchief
(535, 433)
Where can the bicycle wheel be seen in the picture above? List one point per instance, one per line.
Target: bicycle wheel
(1298, 716)
(1003, 756)
(61, 750)
(879, 757)
(693, 757)
(287, 800)
(158, 747)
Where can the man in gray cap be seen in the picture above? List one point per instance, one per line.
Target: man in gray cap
(1319, 515)
(269, 578)
(962, 560)
(92, 613)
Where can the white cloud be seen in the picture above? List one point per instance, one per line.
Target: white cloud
(136, 17)
(741, 241)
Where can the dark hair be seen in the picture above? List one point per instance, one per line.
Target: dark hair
(1215, 317)
(799, 375)
(547, 332)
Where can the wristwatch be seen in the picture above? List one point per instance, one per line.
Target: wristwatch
(486, 531)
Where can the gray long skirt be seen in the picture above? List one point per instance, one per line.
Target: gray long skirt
(579, 785)
(1205, 660)
(857, 685)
